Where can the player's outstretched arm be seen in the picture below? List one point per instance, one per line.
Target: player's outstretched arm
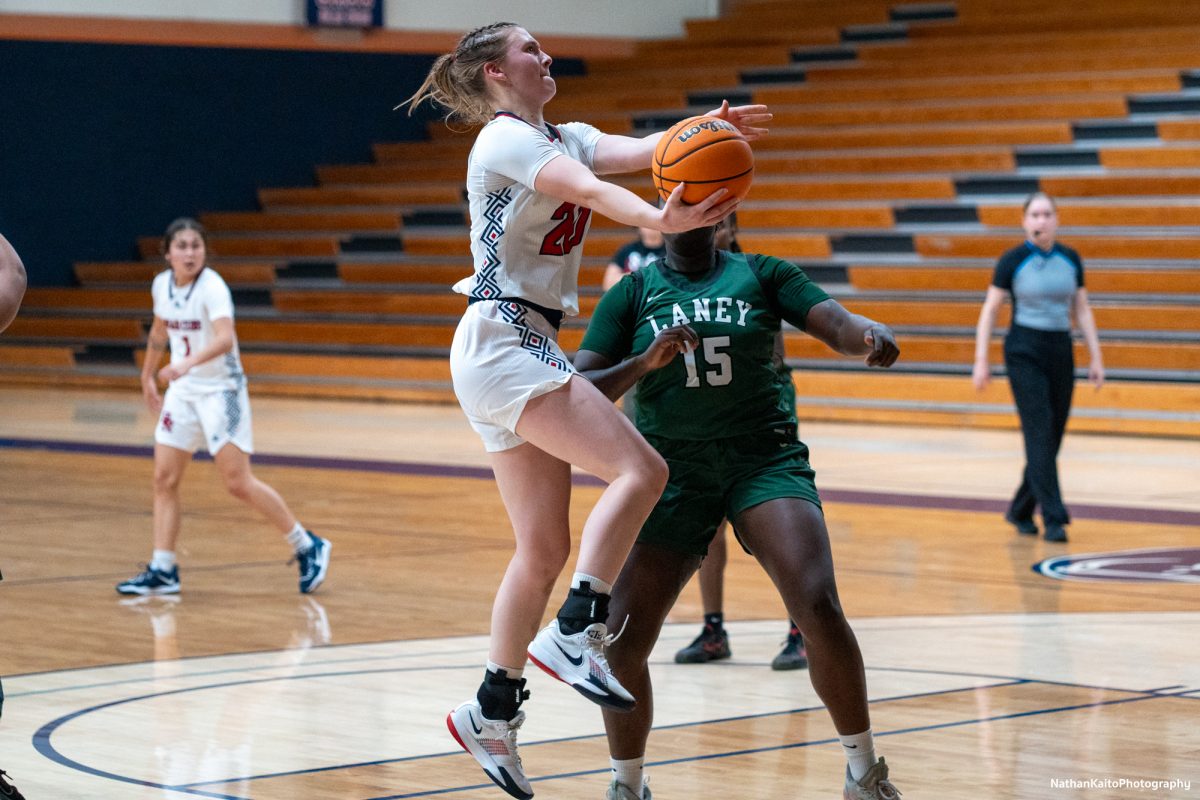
(853, 334)
(566, 179)
(616, 154)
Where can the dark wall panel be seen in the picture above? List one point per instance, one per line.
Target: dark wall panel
(100, 144)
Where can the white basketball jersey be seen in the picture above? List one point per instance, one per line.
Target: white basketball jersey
(189, 312)
(525, 244)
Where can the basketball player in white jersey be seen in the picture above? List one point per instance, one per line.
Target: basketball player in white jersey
(532, 188)
(206, 405)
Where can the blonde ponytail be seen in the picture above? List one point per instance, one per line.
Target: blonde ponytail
(455, 81)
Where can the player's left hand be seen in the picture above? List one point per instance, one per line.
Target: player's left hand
(744, 118)
(884, 350)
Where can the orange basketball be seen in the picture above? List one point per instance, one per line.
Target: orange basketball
(707, 154)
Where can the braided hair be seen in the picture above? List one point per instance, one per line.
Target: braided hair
(456, 80)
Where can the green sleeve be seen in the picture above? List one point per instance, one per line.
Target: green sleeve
(793, 292)
(610, 331)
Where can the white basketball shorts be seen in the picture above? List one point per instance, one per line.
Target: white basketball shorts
(212, 420)
(504, 354)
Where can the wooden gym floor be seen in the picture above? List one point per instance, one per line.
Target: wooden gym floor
(987, 679)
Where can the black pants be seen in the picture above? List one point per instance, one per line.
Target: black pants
(1041, 372)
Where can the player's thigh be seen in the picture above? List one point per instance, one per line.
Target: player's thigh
(775, 507)
(579, 425)
(536, 490)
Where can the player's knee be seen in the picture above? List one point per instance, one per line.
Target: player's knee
(240, 486)
(819, 607)
(543, 561)
(166, 481)
(654, 473)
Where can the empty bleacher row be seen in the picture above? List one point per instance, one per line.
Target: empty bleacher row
(905, 139)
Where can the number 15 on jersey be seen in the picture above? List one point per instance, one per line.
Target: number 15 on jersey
(722, 366)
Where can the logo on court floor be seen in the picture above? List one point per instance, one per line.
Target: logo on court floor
(1169, 564)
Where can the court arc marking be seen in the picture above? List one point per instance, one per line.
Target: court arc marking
(41, 739)
(1145, 565)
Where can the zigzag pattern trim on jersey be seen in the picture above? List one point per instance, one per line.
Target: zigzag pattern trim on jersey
(486, 287)
(536, 344)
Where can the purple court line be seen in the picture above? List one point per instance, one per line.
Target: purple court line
(1159, 516)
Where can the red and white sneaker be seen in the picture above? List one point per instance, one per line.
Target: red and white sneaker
(578, 660)
(493, 743)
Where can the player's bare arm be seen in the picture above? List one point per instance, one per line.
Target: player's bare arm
(156, 346)
(566, 179)
(614, 380)
(616, 154)
(853, 334)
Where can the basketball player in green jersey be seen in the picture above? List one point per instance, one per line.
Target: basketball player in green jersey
(695, 331)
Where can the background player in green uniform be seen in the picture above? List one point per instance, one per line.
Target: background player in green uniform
(696, 332)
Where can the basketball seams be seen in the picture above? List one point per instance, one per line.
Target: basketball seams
(667, 165)
(726, 179)
(666, 172)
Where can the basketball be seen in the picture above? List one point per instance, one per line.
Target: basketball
(707, 154)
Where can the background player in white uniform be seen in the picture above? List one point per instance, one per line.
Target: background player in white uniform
(530, 210)
(205, 405)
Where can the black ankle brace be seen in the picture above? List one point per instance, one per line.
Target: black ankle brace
(582, 608)
(500, 696)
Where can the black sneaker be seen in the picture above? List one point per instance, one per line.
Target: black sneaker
(7, 790)
(151, 581)
(1025, 527)
(710, 645)
(1055, 533)
(793, 655)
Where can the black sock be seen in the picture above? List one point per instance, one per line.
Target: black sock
(500, 696)
(715, 622)
(582, 608)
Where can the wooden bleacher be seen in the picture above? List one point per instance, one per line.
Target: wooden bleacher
(905, 138)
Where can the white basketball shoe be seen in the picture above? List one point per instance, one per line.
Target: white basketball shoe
(578, 660)
(493, 743)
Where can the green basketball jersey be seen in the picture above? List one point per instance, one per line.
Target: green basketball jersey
(730, 385)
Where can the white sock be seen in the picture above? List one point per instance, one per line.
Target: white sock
(629, 772)
(598, 586)
(163, 560)
(860, 753)
(509, 672)
(299, 539)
